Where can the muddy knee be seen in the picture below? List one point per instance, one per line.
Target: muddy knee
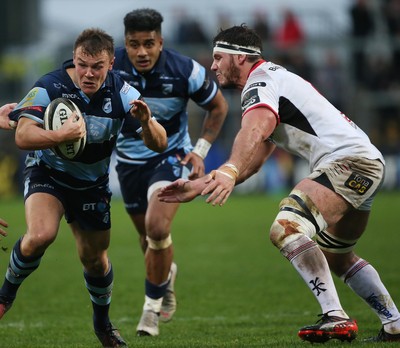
(297, 216)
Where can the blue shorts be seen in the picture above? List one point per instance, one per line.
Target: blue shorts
(135, 179)
(89, 207)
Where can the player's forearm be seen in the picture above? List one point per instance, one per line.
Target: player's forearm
(154, 135)
(32, 137)
(214, 119)
(244, 151)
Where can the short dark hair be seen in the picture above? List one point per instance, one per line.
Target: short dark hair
(94, 41)
(144, 19)
(239, 35)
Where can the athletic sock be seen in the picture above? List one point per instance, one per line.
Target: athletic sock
(100, 289)
(19, 268)
(311, 264)
(364, 280)
(154, 295)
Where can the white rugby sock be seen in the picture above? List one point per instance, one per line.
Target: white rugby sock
(311, 264)
(364, 280)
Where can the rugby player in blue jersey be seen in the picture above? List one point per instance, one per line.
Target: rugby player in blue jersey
(77, 189)
(168, 80)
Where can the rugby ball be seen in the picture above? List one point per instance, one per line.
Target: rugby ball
(57, 112)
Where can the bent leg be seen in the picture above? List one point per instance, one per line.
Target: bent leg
(298, 221)
(43, 214)
(356, 272)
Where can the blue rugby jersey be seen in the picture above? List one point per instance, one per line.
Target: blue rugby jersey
(104, 115)
(166, 89)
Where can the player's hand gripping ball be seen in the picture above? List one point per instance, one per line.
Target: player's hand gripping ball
(57, 112)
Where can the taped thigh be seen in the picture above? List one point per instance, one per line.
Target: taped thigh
(328, 242)
(159, 244)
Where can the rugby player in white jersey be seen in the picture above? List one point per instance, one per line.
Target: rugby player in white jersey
(320, 222)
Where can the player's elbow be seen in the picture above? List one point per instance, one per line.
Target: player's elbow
(21, 140)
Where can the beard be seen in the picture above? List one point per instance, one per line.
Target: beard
(231, 77)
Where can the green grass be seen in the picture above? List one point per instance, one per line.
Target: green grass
(234, 289)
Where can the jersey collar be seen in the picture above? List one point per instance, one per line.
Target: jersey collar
(255, 66)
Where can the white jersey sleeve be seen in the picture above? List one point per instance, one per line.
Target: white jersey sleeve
(309, 126)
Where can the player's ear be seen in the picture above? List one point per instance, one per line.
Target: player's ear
(161, 43)
(111, 63)
(242, 58)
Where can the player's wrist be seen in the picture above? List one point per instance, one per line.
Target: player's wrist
(201, 148)
(227, 169)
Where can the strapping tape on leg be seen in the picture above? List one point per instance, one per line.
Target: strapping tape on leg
(328, 242)
(300, 212)
(159, 244)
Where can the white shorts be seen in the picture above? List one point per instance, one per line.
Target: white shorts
(356, 179)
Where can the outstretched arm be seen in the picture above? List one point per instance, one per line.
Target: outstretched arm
(181, 190)
(250, 149)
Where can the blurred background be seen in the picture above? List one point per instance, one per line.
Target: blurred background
(348, 49)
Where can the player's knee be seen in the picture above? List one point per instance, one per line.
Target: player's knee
(297, 215)
(159, 244)
(36, 243)
(95, 264)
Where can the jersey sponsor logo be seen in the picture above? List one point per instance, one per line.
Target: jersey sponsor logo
(358, 183)
(28, 100)
(250, 98)
(125, 88)
(70, 96)
(107, 106)
(257, 84)
(167, 88)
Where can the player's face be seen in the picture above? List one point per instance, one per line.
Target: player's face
(143, 48)
(91, 71)
(226, 70)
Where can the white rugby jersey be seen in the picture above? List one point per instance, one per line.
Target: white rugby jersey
(309, 126)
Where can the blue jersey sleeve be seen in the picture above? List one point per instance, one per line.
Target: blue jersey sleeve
(32, 106)
(201, 88)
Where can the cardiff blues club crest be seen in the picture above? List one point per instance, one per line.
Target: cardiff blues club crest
(166, 88)
(107, 107)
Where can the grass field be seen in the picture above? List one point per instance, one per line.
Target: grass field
(234, 289)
